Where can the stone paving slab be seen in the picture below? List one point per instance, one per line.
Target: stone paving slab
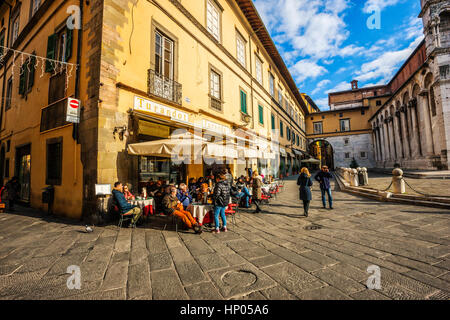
(272, 255)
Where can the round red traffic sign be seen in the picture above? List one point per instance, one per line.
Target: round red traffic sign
(74, 104)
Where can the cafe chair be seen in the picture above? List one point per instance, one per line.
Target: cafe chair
(125, 217)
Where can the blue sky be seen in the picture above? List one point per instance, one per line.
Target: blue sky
(326, 43)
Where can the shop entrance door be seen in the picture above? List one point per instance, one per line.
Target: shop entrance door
(23, 171)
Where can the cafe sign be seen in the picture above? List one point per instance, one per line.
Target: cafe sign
(141, 104)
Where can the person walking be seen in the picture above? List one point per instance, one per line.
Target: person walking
(323, 177)
(305, 183)
(221, 198)
(257, 191)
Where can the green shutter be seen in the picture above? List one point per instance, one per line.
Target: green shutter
(69, 37)
(273, 122)
(31, 75)
(261, 114)
(22, 79)
(281, 128)
(51, 52)
(243, 102)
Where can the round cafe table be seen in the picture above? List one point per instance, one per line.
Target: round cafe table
(146, 205)
(199, 211)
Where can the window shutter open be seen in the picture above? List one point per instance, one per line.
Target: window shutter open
(22, 79)
(51, 50)
(68, 53)
(31, 75)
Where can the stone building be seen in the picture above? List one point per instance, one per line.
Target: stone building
(145, 69)
(412, 128)
(342, 134)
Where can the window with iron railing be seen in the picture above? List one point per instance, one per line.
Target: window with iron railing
(164, 87)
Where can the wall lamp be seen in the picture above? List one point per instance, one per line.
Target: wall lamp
(122, 131)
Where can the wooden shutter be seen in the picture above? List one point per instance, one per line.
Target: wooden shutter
(243, 102)
(69, 37)
(31, 75)
(22, 79)
(51, 52)
(261, 115)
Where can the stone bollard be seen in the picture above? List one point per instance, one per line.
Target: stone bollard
(346, 175)
(365, 176)
(398, 184)
(360, 176)
(354, 178)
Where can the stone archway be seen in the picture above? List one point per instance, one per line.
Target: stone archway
(323, 150)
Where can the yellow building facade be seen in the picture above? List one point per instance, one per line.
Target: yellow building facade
(145, 70)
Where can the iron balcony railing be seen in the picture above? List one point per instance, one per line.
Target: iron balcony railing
(163, 87)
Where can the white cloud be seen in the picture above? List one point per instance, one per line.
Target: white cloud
(343, 86)
(313, 28)
(320, 85)
(306, 69)
(322, 103)
(379, 4)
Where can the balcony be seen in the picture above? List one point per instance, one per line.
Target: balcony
(54, 115)
(163, 87)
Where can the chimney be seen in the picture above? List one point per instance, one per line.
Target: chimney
(354, 85)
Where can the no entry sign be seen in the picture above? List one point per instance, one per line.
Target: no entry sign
(73, 110)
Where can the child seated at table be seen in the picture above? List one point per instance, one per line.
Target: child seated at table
(171, 205)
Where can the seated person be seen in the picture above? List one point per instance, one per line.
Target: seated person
(124, 206)
(203, 193)
(151, 189)
(171, 205)
(126, 192)
(184, 196)
(192, 186)
(243, 192)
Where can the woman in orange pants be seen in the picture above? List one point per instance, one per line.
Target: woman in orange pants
(171, 205)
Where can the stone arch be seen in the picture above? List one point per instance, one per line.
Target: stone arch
(405, 97)
(427, 80)
(326, 148)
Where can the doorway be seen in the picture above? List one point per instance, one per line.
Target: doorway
(323, 151)
(23, 172)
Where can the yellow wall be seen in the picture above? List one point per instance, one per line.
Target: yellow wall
(21, 123)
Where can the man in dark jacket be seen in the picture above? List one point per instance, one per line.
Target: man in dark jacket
(323, 177)
(124, 207)
(221, 198)
(13, 189)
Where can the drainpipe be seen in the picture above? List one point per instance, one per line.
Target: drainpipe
(75, 131)
(4, 66)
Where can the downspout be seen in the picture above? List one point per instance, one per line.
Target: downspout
(4, 66)
(75, 132)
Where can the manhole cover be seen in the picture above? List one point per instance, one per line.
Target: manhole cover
(241, 278)
(313, 227)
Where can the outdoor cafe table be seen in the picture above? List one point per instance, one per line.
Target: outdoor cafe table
(146, 205)
(199, 210)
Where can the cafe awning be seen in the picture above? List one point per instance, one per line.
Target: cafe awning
(177, 145)
(311, 160)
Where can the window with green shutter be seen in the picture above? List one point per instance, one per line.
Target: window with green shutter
(23, 78)
(273, 121)
(32, 63)
(51, 52)
(281, 129)
(261, 114)
(243, 102)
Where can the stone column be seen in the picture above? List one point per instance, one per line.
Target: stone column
(386, 140)
(380, 150)
(398, 135)
(383, 142)
(428, 144)
(375, 143)
(405, 132)
(413, 133)
(392, 141)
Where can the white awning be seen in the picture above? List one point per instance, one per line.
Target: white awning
(283, 151)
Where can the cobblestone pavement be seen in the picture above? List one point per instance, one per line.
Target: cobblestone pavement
(440, 187)
(272, 255)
